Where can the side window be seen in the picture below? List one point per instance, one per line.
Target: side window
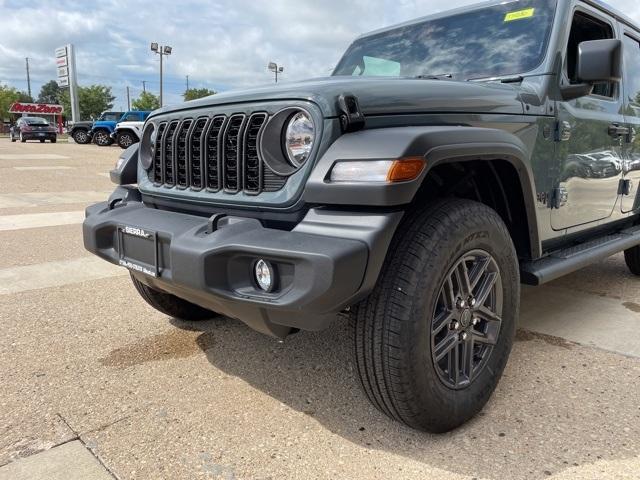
(130, 117)
(632, 73)
(583, 29)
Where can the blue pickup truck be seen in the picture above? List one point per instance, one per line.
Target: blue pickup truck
(102, 129)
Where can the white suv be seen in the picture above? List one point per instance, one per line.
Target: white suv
(127, 133)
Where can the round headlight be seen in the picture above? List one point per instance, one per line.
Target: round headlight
(299, 137)
(147, 146)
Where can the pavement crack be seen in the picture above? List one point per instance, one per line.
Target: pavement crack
(107, 425)
(89, 449)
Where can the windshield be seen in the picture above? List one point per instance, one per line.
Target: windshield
(494, 41)
(110, 116)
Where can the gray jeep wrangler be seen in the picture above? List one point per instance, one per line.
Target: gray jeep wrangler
(444, 162)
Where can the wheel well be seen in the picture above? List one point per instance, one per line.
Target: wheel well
(127, 130)
(494, 183)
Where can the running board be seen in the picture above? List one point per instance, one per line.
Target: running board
(562, 262)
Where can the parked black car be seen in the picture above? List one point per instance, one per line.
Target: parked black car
(33, 128)
(413, 191)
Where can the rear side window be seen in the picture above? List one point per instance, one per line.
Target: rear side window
(131, 117)
(632, 73)
(583, 29)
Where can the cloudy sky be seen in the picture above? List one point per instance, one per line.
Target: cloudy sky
(220, 44)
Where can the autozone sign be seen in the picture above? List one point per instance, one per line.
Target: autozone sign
(19, 107)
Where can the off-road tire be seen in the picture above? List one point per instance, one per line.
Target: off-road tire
(22, 139)
(171, 305)
(632, 259)
(392, 328)
(81, 137)
(102, 138)
(121, 139)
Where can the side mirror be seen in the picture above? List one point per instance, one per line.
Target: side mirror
(599, 61)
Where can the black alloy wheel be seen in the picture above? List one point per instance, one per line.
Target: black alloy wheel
(466, 323)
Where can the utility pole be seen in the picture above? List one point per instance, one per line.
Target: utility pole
(128, 100)
(28, 77)
(187, 82)
(162, 51)
(144, 85)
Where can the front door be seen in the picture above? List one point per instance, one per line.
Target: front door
(589, 148)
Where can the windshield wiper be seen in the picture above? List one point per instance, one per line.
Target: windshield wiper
(427, 76)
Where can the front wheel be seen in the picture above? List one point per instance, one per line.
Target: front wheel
(170, 304)
(433, 339)
(102, 138)
(125, 139)
(81, 137)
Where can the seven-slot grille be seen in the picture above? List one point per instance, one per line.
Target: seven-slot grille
(217, 154)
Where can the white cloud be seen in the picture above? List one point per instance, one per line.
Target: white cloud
(220, 44)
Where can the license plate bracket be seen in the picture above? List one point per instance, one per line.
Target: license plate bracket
(138, 250)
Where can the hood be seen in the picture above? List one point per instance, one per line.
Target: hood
(379, 96)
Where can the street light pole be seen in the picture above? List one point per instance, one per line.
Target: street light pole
(161, 55)
(162, 51)
(275, 68)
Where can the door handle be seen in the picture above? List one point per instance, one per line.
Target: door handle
(616, 130)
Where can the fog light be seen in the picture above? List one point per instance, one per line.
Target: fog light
(265, 275)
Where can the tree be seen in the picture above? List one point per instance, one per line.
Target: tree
(8, 95)
(195, 93)
(25, 97)
(93, 101)
(50, 93)
(145, 102)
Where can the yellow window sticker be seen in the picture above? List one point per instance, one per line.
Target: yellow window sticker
(520, 14)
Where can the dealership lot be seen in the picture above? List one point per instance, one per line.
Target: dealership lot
(96, 381)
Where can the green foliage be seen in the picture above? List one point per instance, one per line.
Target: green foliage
(145, 102)
(195, 93)
(25, 97)
(93, 101)
(50, 93)
(8, 95)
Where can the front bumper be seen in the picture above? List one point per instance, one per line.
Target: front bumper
(327, 262)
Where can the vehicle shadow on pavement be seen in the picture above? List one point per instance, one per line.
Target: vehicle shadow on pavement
(559, 406)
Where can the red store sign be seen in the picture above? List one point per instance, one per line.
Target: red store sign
(43, 108)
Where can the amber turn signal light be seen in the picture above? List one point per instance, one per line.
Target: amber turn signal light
(406, 169)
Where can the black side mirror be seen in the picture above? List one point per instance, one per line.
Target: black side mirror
(599, 61)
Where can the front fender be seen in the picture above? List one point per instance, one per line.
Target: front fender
(438, 144)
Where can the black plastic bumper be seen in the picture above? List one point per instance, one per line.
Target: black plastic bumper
(328, 262)
(38, 136)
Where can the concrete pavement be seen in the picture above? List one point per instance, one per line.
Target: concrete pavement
(88, 367)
